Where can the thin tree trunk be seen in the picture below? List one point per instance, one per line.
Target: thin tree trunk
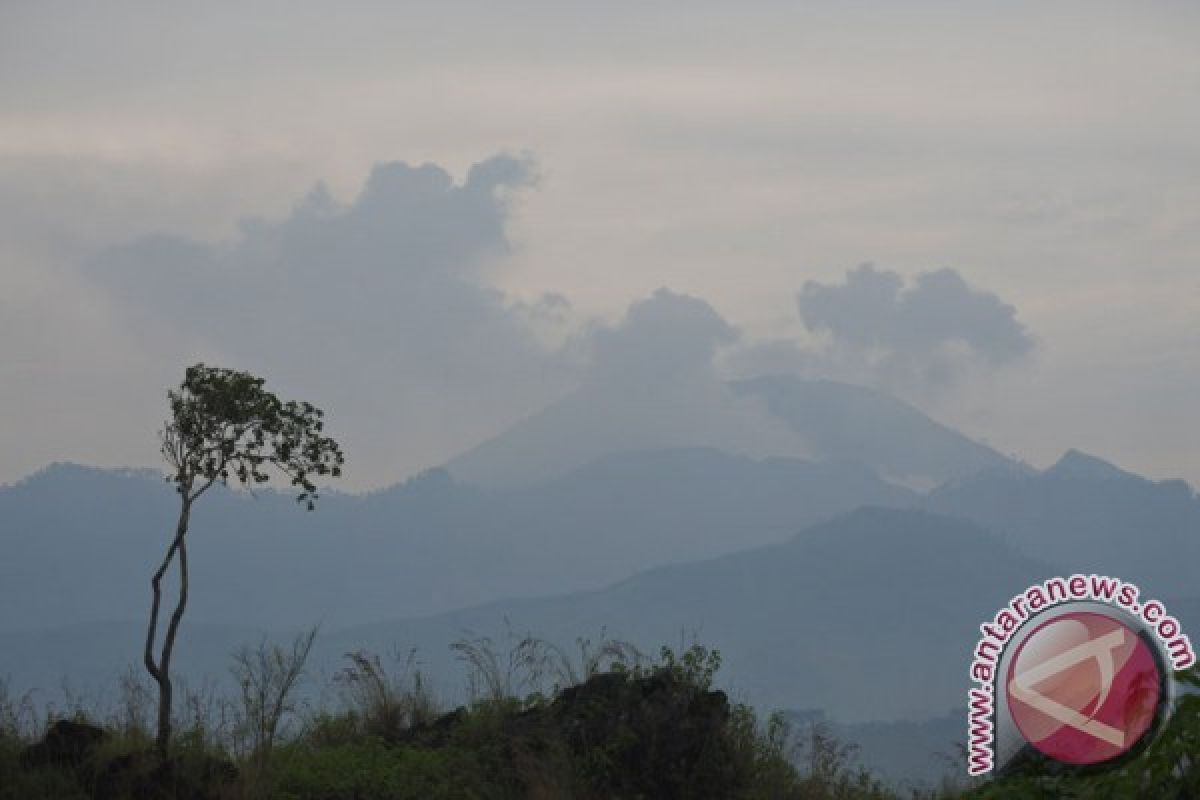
(164, 663)
(160, 671)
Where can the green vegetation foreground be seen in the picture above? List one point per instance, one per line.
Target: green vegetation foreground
(630, 730)
(640, 731)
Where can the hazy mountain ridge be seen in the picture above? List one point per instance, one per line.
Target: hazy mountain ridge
(429, 545)
(831, 618)
(1088, 515)
(433, 544)
(772, 415)
(843, 421)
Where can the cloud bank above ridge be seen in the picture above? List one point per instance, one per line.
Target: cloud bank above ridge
(383, 310)
(379, 306)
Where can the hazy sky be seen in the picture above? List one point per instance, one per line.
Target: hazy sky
(1024, 177)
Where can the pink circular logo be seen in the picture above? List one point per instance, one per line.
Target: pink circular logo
(1084, 688)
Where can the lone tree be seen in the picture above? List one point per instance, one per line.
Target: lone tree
(224, 425)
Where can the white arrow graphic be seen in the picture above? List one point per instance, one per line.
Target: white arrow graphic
(1101, 649)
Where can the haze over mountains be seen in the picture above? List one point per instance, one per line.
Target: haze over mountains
(429, 545)
(864, 616)
(777, 415)
(825, 585)
(1090, 515)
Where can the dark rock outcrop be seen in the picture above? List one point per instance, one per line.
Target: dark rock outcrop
(66, 744)
(615, 735)
(653, 736)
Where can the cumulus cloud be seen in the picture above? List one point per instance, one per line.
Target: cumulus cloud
(911, 336)
(663, 336)
(874, 310)
(378, 306)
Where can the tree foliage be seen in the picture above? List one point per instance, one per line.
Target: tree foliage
(225, 425)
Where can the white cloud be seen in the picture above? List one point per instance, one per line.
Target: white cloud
(376, 307)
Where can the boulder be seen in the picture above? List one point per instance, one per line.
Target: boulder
(66, 744)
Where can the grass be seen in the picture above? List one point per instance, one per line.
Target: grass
(541, 723)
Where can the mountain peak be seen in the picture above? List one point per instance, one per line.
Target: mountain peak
(768, 416)
(1077, 464)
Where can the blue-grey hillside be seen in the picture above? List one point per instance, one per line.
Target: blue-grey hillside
(80, 543)
(871, 615)
(1089, 515)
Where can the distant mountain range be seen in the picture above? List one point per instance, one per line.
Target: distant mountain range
(80, 543)
(1088, 515)
(825, 582)
(868, 616)
(871, 615)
